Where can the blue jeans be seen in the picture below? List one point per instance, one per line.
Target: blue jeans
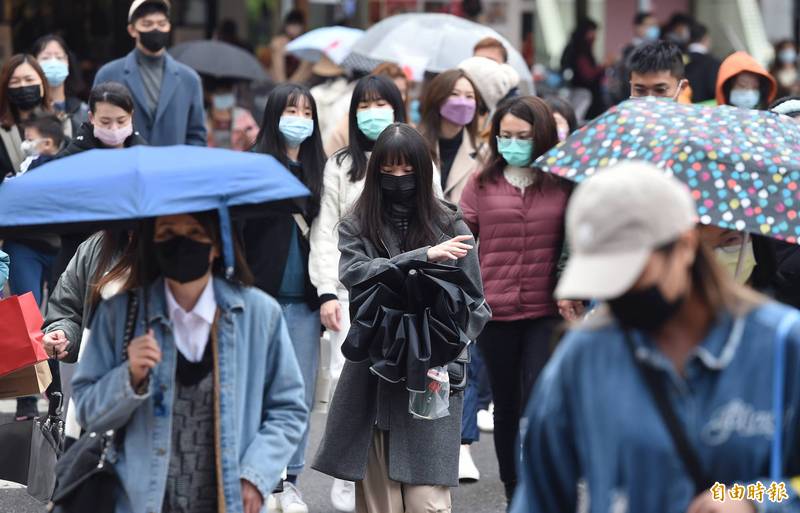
(469, 420)
(28, 272)
(304, 330)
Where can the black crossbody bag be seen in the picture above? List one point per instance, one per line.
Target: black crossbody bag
(659, 394)
(86, 480)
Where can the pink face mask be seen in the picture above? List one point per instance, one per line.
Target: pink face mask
(113, 136)
(458, 110)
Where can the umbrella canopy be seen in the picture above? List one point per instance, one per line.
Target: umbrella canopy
(333, 42)
(742, 165)
(409, 319)
(438, 41)
(101, 186)
(219, 59)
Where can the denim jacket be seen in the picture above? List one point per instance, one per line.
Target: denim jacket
(262, 411)
(592, 420)
(4, 264)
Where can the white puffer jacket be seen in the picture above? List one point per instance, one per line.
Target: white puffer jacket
(339, 194)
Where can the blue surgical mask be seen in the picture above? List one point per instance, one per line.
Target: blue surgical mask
(223, 101)
(295, 130)
(373, 121)
(516, 152)
(652, 33)
(56, 71)
(787, 56)
(745, 98)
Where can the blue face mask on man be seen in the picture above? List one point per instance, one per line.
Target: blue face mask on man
(295, 130)
(652, 33)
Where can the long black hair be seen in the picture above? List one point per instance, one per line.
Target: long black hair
(400, 144)
(369, 88)
(271, 141)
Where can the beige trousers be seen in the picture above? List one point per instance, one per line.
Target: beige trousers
(379, 494)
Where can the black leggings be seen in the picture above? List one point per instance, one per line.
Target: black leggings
(515, 352)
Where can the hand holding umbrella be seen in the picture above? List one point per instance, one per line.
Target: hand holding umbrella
(143, 356)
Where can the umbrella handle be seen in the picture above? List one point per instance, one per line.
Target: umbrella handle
(227, 239)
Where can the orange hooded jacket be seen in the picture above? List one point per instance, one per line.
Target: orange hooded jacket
(737, 63)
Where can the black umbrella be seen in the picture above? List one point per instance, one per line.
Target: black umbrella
(220, 60)
(408, 319)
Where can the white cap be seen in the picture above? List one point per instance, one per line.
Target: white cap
(493, 80)
(138, 3)
(615, 220)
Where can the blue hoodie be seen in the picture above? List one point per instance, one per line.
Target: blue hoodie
(591, 419)
(4, 263)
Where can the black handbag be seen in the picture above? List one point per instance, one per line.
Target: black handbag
(86, 480)
(29, 450)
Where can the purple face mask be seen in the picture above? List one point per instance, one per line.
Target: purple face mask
(458, 110)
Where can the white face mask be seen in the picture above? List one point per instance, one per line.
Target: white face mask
(745, 98)
(30, 147)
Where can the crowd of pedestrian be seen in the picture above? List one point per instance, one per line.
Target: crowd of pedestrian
(656, 392)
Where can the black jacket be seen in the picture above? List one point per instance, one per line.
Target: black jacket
(701, 71)
(85, 140)
(266, 242)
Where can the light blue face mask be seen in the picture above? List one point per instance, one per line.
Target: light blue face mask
(295, 130)
(223, 101)
(373, 121)
(652, 33)
(516, 152)
(55, 71)
(745, 98)
(787, 56)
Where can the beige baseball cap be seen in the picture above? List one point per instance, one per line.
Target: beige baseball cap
(615, 220)
(138, 3)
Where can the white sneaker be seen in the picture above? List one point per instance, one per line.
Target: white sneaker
(467, 471)
(272, 504)
(290, 501)
(486, 419)
(343, 496)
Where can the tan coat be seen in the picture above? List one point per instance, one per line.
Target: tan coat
(468, 161)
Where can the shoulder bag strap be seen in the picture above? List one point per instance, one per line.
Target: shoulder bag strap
(130, 326)
(302, 225)
(659, 394)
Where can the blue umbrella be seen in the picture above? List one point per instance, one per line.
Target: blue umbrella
(103, 186)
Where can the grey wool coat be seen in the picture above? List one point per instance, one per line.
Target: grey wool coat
(420, 452)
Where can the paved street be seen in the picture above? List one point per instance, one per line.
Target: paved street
(486, 496)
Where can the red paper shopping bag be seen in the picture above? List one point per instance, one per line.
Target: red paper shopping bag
(20, 333)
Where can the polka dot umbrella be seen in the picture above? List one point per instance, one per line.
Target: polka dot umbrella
(742, 166)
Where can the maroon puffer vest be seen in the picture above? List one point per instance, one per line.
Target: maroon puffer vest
(521, 238)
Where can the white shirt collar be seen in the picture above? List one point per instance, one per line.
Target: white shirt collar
(698, 48)
(205, 308)
(191, 329)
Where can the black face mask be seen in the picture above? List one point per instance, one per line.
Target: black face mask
(182, 259)
(399, 189)
(25, 97)
(645, 310)
(154, 40)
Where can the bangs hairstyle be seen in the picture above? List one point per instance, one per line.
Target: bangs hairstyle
(535, 111)
(139, 255)
(369, 88)
(270, 141)
(9, 115)
(435, 94)
(400, 144)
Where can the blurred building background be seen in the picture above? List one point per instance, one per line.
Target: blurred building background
(540, 28)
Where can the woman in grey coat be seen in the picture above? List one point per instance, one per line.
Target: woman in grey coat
(400, 464)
